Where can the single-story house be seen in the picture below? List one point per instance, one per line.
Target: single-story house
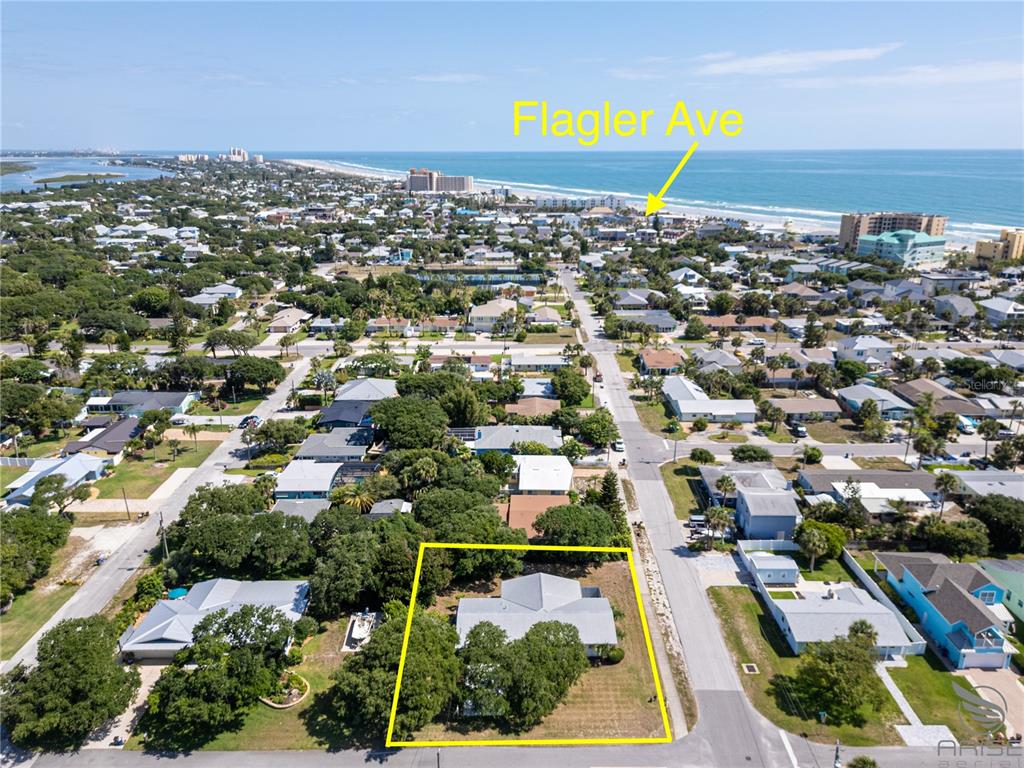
(108, 441)
(525, 362)
(135, 402)
(663, 362)
(76, 469)
(996, 482)
(890, 407)
(307, 509)
(751, 475)
(502, 436)
(798, 409)
(326, 325)
(168, 626)
(542, 474)
(288, 320)
(945, 400)
(340, 444)
(660, 320)
(346, 413)
(389, 507)
(690, 402)
(307, 480)
(523, 509)
(396, 326)
(367, 389)
(529, 600)
(823, 481)
(774, 570)
(537, 388)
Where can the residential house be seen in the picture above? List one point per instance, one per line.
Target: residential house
(135, 402)
(307, 509)
(77, 469)
(754, 476)
(717, 359)
(535, 475)
(994, 482)
(338, 445)
(529, 600)
(522, 362)
(773, 569)
(288, 320)
(327, 325)
(501, 437)
(635, 298)
(544, 316)
(392, 326)
(169, 625)
(823, 481)
(945, 399)
(107, 441)
(870, 350)
(367, 389)
(1009, 575)
(800, 409)
(660, 320)
(663, 362)
(388, 508)
(955, 308)
(689, 402)
(308, 480)
(890, 407)
(531, 407)
(484, 317)
(999, 311)
(767, 513)
(346, 413)
(958, 605)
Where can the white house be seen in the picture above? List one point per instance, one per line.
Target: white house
(870, 350)
(690, 402)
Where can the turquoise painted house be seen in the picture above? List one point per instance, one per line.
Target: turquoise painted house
(958, 606)
(1008, 574)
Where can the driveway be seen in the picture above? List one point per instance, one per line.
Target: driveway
(1008, 684)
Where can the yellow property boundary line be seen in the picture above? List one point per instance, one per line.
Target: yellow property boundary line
(390, 741)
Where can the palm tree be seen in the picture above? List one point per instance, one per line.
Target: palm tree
(356, 497)
(773, 364)
(175, 446)
(110, 339)
(1015, 404)
(946, 483)
(813, 544)
(725, 485)
(718, 519)
(192, 430)
(989, 430)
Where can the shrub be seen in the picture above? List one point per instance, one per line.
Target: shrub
(269, 461)
(751, 453)
(293, 657)
(306, 627)
(699, 425)
(615, 655)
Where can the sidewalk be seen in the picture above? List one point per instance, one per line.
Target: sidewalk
(916, 734)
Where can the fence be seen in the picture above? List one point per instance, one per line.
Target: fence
(917, 642)
(11, 461)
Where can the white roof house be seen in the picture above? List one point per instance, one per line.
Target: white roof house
(502, 436)
(367, 389)
(168, 627)
(543, 474)
(529, 600)
(307, 480)
(690, 403)
(823, 616)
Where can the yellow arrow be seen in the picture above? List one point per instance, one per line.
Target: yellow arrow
(654, 202)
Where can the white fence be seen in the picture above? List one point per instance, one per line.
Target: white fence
(11, 461)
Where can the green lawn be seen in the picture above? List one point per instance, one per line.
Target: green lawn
(655, 415)
(244, 404)
(728, 437)
(49, 445)
(754, 638)
(265, 728)
(881, 462)
(782, 595)
(561, 336)
(780, 435)
(8, 475)
(588, 401)
(625, 361)
(824, 570)
(28, 613)
(929, 689)
(140, 477)
(680, 478)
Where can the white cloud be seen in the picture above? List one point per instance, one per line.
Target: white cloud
(627, 73)
(791, 62)
(449, 77)
(925, 74)
(715, 56)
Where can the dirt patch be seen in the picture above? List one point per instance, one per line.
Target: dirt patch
(88, 544)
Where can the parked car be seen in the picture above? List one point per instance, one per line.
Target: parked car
(799, 430)
(598, 376)
(251, 420)
(618, 446)
(178, 419)
(1004, 434)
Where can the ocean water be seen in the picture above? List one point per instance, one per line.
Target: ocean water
(980, 190)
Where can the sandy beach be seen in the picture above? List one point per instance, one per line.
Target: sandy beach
(794, 224)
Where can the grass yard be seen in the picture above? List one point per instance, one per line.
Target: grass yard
(841, 431)
(655, 415)
(753, 637)
(43, 447)
(561, 336)
(680, 479)
(300, 727)
(881, 462)
(588, 401)
(824, 570)
(928, 687)
(8, 475)
(781, 435)
(609, 701)
(29, 612)
(728, 437)
(140, 477)
(244, 404)
(782, 595)
(626, 362)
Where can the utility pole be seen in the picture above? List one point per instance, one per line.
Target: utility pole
(127, 511)
(163, 534)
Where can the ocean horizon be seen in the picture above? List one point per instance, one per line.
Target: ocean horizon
(980, 191)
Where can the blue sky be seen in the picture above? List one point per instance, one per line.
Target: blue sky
(427, 76)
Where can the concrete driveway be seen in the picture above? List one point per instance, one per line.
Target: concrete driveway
(1007, 682)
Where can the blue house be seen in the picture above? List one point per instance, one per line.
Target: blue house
(767, 513)
(958, 607)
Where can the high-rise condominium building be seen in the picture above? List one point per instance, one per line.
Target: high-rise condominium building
(853, 225)
(1009, 247)
(425, 180)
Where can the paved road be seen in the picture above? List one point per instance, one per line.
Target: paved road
(108, 578)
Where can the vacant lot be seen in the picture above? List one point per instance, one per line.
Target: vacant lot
(841, 431)
(139, 477)
(239, 406)
(680, 479)
(754, 638)
(929, 689)
(655, 415)
(609, 701)
(881, 462)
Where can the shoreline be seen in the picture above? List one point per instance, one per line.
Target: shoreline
(795, 223)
